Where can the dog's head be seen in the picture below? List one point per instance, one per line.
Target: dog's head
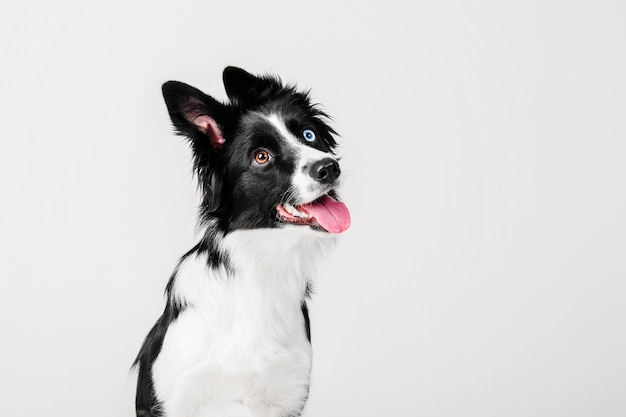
(265, 159)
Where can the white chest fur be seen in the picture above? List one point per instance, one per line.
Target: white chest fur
(239, 348)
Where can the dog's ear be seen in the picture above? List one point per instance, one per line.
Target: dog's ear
(195, 114)
(246, 89)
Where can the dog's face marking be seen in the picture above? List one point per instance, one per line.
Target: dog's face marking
(304, 187)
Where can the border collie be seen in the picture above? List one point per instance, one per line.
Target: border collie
(234, 339)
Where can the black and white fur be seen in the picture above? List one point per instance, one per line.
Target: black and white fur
(234, 339)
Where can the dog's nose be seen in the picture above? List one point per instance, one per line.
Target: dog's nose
(325, 171)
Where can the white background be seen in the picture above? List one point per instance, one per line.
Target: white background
(484, 143)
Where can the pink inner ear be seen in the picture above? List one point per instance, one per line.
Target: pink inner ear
(209, 127)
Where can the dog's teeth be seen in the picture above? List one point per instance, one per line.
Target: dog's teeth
(294, 212)
(291, 209)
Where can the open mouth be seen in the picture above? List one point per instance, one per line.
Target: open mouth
(326, 212)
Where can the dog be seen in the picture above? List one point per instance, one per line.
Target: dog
(234, 339)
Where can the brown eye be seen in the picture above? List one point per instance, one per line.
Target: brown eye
(262, 157)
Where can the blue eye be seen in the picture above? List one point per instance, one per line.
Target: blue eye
(308, 135)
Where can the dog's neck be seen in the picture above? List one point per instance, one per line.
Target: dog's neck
(276, 253)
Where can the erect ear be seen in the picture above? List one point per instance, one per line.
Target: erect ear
(245, 88)
(194, 113)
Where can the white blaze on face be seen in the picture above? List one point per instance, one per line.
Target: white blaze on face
(305, 188)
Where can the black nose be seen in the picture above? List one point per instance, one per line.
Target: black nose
(325, 171)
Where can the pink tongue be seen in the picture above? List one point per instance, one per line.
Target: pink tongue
(329, 213)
